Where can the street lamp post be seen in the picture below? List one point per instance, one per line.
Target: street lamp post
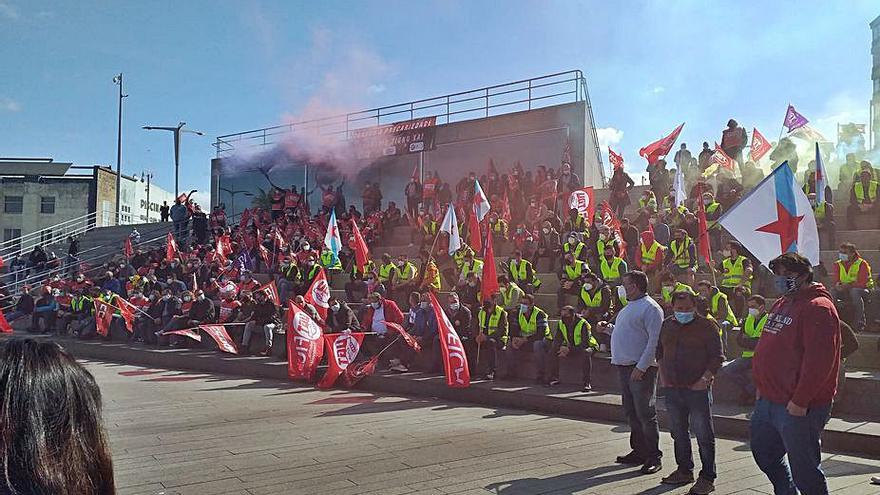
(232, 196)
(177, 130)
(118, 80)
(148, 176)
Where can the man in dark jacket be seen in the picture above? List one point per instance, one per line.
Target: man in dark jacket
(340, 317)
(264, 315)
(23, 307)
(795, 371)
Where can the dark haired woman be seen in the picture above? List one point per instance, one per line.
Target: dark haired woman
(51, 438)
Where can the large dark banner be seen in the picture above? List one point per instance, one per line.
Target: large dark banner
(401, 138)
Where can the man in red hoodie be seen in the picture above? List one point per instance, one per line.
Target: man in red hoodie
(377, 313)
(795, 372)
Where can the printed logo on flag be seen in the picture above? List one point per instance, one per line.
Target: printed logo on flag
(346, 349)
(321, 293)
(306, 327)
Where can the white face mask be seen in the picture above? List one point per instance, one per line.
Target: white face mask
(187, 298)
(454, 306)
(588, 286)
(754, 312)
(335, 307)
(621, 292)
(726, 253)
(201, 297)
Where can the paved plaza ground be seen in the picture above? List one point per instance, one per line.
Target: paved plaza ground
(187, 433)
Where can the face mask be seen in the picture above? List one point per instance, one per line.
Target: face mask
(786, 285)
(472, 284)
(726, 253)
(621, 292)
(753, 312)
(187, 298)
(843, 256)
(523, 308)
(335, 307)
(603, 236)
(668, 288)
(546, 231)
(170, 281)
(588, 286)
(166, 297)
(400, 264)
(572, 240)
(684, 317)
(454, 306)
(424, 305)
(201, 297)
(652, 221)
(152, 297)
(519, 231)
(80, 278)
(375, 305)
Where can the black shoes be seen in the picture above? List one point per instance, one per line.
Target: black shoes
(631, 459)
(651, 466)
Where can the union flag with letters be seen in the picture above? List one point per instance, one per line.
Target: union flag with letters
(454, 358)
(304, 344)
(343, 349)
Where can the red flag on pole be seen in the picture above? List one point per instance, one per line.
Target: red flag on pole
(583, 201)
(361, 251)
(357, 371)
(760, 145)
(474, 236)
(245, 218)
(170, 247)
(415, 173)
(723, 159)
(304, 344)
(127, 249)
(703, 239)
(271, 291)
(490, 275)
(266, 256)
(409, 339)
(660, 148)
(5, 327)
(342, 349)
(221, 337)
(454, 358)
(318, 294)
(186, 332)
(103, 317)
(615, 159)
(127, 309)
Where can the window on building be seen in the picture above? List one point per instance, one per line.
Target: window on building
(12, 235)
(46, 237)
(47, 204)
(13, 204)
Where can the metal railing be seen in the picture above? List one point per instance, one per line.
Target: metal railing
(526, 94)
(54, 234)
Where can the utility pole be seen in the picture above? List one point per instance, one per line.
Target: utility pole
(148, 176)
(176, 130)
(118, 80)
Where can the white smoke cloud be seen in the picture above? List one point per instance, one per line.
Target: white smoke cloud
(608, 136)
(9, 105)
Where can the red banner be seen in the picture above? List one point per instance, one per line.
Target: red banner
(583, 201)
(170, 247)
(271, 291)
(358, 371)
(343, 348)
(660, 148)
(615, 159)
(103, 317)
(760, 145)
(454, 358)
(127, 309)
(318, 294)
(186, 332)
(223, 340)
(304, 344)
(5, 327)
(489, 283)
(722, 158)
(409, 339)
(361, 251)
(127, 249)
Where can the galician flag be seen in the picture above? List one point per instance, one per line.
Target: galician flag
(775, 218)
(481, 202)
(678, 185)
(450, 226)
(821, 177)
(332, 239)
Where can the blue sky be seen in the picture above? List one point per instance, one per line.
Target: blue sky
(230, 66)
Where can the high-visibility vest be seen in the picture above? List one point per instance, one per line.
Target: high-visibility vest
(475, 267)
(819, 210)
(498, 315)
(679, 287)
(859, 189)
(651, 203)
(580, 223)
(77, 303)
(528, 327)
(574, 272)
(566, 248)
(851, 275)
(327, 261)
(717, 300)
(313, 271)
(610, 273)
(519, 273)
(681, 255)
(508, 293)
(367, 268)
(430, 227)
(649, 255)
(386, 271)
(578, 336)
(407, 273)
(459, 255)
(593, 301)
(500, 228)
(734, 273)
(753, 331)
(711, 208)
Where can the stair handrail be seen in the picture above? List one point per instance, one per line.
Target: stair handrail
(72, 227)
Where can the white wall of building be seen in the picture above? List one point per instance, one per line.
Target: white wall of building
(133, 201)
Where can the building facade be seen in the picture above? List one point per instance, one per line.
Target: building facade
(875, 85)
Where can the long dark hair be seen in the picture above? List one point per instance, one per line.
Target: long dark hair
(51, 436)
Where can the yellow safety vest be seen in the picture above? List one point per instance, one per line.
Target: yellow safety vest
(408, 272)
(734, 272)
(512, 289)
(385, 272)
(679, 287)
(475, 267)
(528, 327)
(578, 337)
(710, 209)
(649, 255)
(574, 272)
(593, 301)
(566, 248)
(680, 252)
(859, 189)
(500, 227)
(716, 305)
(519, 273)
(497, 316)
(459, 255)
(753, 331)
(610, 273)
(851, 275)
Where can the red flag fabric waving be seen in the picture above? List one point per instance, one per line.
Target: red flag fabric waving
(454, 358)
(245, 218)
(361, 251)
(1, 261)
(357, 371)
(342, 350)
(489, 284)
(409, 339)
(760, 145)
(221, 337)
(318, 294)
(127, 249)
(703, 239)
(474, 236)
(127, 309)
(267, 257)
(615, 159)
(5, 327)
(304, 344)
(723, 159)
(660, 148)
(103, 317)
(415, 173)
(170, 247)
(271, 291)
(583, 200)
(186, 332)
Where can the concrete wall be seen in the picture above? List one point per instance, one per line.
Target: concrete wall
(105, 197)
(533, 137)
(71, 201)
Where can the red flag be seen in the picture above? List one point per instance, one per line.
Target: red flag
(186, 332)
(722, 159)
(245, 218)
(609, 219)
(304, 344)
(271, 291)
(280, 243)
(343, 348)
(1, 261)
(170, 247)
(660, 148)
(703, 239)
(415, 174)
(474, 236)
(224, 245)
(103, 317)
(615, 159)
(5, 327)
(583, 201)
(127, 249)
(318, 294)
(127, 309)
(357, 371)
(409, 339)
(182, 198)
(223, 340)
(361, 251)
(266, 255)
(505, 207)
(490, 276)
(454, 358)
(760, 145)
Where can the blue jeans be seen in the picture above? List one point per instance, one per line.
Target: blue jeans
(857, 298)
(776, 433)
(739, 371)
(639, 405)
(690, 410)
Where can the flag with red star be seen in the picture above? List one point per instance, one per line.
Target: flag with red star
(775, 218)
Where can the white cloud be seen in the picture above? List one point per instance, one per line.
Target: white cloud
(9, 105)
(8, 11)
(376, 88)
(841, 108)
(656, 90)
(608, 136)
